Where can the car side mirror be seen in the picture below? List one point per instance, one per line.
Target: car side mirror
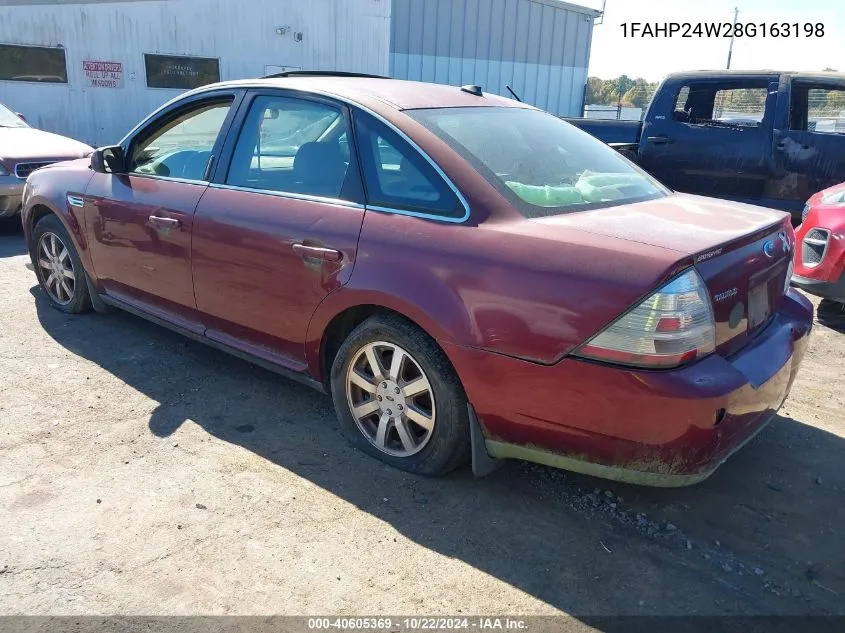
(108, 160)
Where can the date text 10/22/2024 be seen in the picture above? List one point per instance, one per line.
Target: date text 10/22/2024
(418, 624)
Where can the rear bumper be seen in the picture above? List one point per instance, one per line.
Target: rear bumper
(659, 428)
(11, 190)
(826, 289)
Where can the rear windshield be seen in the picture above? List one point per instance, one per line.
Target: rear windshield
(543, 165)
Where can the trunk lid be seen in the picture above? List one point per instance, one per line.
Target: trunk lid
(742, 252)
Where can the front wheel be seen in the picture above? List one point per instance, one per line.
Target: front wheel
(398, 397)
(58, 267)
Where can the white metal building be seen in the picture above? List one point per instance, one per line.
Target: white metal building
(540, 48)
(91, 69)
(105, 64)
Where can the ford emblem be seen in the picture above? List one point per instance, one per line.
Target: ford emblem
(769, 248)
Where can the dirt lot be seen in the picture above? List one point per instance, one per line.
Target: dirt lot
(145, 474)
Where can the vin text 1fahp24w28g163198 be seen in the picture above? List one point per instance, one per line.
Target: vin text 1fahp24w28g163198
(465, 274)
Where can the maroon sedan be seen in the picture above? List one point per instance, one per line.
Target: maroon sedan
(468, 276)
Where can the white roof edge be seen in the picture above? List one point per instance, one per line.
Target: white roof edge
(577, 8)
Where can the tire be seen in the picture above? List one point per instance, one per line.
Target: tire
(71, 296)
(436, 450)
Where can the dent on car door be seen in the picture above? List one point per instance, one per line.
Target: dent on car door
(278, 229)
(809, 154)
(141, 218)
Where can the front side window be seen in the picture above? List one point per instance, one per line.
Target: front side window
(541, 164)
(398, 177)
(292, 146)
(32, 63)
(181, 147)
(739, 104)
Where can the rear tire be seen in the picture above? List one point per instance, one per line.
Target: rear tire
(411, 411)
(58, 267)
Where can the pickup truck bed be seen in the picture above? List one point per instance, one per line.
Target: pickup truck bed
(609, 130)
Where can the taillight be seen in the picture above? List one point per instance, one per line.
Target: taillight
(673, 326)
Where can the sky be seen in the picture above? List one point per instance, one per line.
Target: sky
(613, 54)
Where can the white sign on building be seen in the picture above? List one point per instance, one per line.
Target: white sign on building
(103, 74)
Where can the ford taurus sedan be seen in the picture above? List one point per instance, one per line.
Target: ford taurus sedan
(467, 276)
(24, 149)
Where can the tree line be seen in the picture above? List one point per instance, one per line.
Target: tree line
(630, 92)
(637, 93)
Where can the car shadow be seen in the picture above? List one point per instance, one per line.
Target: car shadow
(11, 237)
(831, 314)
(762, 536)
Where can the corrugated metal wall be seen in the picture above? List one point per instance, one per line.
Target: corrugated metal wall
(350, 35)
(541, 48)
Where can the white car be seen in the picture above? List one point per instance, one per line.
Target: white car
(23, 149)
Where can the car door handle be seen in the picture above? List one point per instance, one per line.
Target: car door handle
(168, 222)
(317, 252)
(660, 139)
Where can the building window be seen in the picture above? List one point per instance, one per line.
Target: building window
(176, 71)
(32, 63)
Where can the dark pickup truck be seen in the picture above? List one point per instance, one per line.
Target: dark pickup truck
(763, 137)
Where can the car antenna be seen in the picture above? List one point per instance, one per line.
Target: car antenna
(515, 96)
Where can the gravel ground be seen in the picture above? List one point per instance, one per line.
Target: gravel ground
(146, 474)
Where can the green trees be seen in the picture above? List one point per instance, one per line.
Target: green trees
(633, 92)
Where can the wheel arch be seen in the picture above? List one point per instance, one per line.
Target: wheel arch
(38, 208)
(338, 315)
(37, 212)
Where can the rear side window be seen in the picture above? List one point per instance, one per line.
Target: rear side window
(397, 176)
(818, 108)
(292, 146)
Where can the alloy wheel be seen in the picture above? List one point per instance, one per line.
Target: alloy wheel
(391, 399)
(54, 260)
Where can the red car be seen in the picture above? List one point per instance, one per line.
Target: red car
(820, 258)
(465, 274)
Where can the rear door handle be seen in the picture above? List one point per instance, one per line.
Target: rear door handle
(317, 252)
(661, 139)
(168, 222)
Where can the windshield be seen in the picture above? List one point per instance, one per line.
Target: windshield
(543, 165)
(9, 118)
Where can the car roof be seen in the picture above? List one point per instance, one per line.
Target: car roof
(396, 93)
(746, 74)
